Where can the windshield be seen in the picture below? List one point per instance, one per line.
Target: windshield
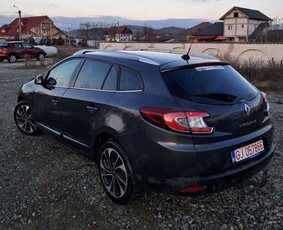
(217, 84)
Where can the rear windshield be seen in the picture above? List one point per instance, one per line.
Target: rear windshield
(217, 84)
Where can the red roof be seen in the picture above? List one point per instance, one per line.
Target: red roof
(27, 24)
(122, 29)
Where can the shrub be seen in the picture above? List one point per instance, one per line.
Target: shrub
(266, 75)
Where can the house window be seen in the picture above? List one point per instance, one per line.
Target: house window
(45, 24)
(230, 27)
(236, 15)
(243, 25)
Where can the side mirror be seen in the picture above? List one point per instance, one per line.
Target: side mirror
(51, 81)
(38, 79)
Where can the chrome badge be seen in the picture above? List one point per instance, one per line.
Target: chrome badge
(248, 110)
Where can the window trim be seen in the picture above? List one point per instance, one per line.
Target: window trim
(107, 91)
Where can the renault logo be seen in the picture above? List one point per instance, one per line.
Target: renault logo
(248, 110)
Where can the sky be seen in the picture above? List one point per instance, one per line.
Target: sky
(139, 9)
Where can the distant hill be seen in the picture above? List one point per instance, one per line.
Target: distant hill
(170, 30)
(163, 31)
(71, 23)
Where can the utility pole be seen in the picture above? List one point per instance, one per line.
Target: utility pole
(20, 23)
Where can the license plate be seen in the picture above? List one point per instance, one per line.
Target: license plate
(248, 151)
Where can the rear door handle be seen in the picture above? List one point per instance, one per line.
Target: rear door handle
(91, 108)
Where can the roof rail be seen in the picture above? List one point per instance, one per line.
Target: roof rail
(84, 51)
(173, 51)
(178, 51)
(119, 53)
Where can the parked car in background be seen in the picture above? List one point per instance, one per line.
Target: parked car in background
(14, 50)
(2, 40)
(186, 123)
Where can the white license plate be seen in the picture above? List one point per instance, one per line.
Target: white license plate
(248, 151)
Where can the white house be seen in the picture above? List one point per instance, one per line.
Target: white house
(124, 34)
(240, 23)
(119, 34)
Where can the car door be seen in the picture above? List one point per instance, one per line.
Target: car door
(84, 106)
(18, 49)
(47, 97)
(28, 49)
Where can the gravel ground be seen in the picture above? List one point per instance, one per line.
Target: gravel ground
(46, 185)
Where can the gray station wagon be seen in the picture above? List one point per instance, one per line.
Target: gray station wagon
(185, 123)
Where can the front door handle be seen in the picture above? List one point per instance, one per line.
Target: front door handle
(55, 101)
(91, 108)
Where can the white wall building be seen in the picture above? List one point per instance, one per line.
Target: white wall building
(240, 23)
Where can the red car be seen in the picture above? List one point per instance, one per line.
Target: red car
(17, 50)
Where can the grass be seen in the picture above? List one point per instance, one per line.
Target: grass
(264, 75)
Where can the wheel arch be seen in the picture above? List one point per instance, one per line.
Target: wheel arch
(21, 98)
(17, 56)
(103, 137)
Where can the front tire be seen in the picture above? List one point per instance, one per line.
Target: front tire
(116, 174)
(12, 58)
(23, 119)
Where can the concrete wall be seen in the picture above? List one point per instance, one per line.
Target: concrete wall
(241, 52)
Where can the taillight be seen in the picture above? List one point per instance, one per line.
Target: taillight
(266, 103)
(197, 123)
(4, 50)
(190, 122)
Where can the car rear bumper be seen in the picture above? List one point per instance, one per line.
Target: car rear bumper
(211, 182)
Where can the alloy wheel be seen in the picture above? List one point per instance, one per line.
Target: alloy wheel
(24, 120)
(12, 58)
(113, 173)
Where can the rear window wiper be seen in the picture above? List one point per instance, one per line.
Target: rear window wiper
(217, 96)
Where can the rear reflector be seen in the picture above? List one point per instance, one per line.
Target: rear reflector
(194, 189)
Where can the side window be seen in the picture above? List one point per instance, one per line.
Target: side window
(130, 80)
(62, 74)
(17, 45)
(111, 80)
(92, 75)
(27, 45)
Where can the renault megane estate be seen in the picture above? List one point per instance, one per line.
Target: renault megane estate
(188, 123)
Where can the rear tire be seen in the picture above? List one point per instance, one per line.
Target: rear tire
(12, 58)
(116, 174)
(23, 119)
(40, 57)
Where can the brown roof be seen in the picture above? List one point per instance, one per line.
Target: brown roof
(250, 13)
(194, 30)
